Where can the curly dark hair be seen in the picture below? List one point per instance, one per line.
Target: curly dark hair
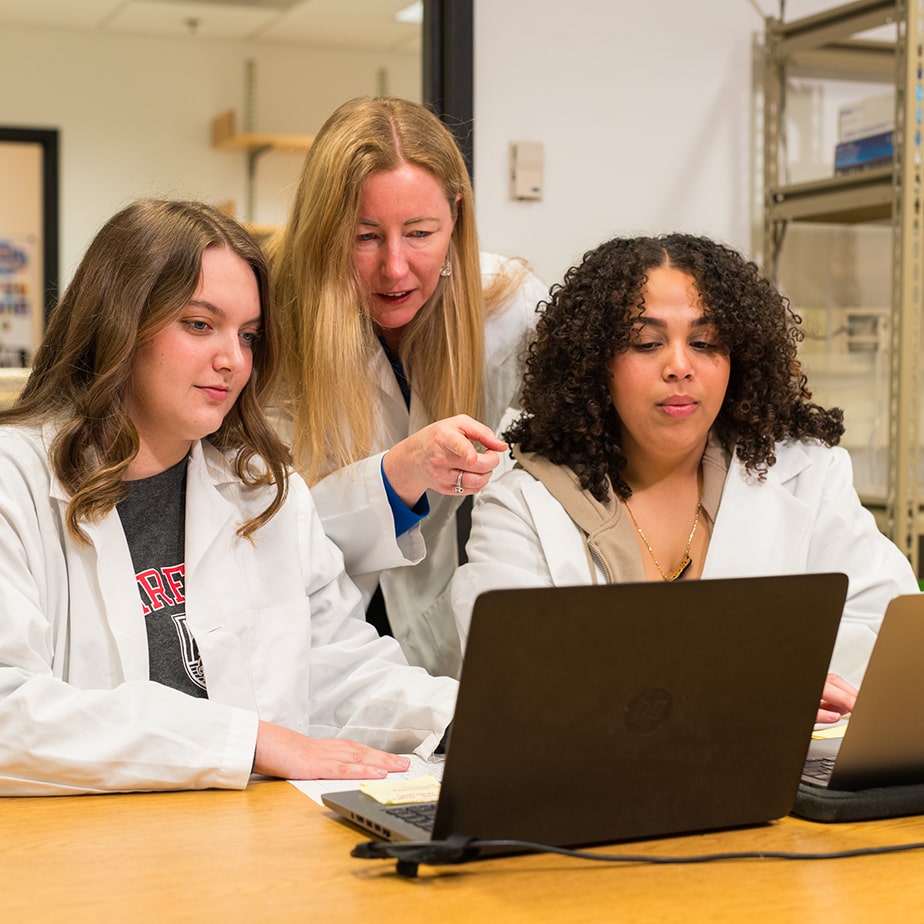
(568, 414)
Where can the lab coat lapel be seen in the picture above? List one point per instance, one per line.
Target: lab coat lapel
(105, 611)
(754, 514)
(207, 510)
(104, 598)
(218, 578)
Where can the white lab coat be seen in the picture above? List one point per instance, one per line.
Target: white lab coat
(279, 626)
(805, 517)
(356, 514)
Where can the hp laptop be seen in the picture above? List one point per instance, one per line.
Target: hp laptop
(597, 714)
(877, 767)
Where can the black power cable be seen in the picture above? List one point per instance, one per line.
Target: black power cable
(461, 849)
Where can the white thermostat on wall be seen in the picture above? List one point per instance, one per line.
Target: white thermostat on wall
(526, 166)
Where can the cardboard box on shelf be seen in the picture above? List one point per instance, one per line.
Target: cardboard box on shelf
(871, 116)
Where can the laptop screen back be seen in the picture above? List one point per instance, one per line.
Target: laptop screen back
(596, 714)
(884, 743)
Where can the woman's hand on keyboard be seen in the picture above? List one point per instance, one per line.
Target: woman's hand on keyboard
(837, 699)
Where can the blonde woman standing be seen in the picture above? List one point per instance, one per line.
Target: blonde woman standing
(404, 346)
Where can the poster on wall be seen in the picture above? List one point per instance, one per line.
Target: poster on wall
(18, 299)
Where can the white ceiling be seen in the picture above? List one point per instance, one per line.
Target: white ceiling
(365, 24)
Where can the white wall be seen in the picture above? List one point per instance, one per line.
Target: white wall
(643, 107)
(134, 114)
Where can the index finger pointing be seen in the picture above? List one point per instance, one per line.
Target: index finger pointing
(482, 434)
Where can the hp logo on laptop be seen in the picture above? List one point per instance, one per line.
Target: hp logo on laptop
(648, 710)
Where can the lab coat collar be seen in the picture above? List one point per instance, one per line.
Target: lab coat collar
(108, 556)
(207, 510)
(57, 491)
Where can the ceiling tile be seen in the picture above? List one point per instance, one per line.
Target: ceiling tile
(361, 24)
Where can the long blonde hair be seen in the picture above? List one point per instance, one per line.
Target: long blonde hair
(139, 271)
(330, 344)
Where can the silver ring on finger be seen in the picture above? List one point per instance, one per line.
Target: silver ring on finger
(457, 487)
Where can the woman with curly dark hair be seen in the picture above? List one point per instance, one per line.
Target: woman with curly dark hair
(668, 433)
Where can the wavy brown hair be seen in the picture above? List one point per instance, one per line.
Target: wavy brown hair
(568, 414)
(138, 273)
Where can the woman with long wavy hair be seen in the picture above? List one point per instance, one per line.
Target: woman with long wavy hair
(403, 348)
(173, 616)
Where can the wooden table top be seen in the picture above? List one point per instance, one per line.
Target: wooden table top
(271, 854)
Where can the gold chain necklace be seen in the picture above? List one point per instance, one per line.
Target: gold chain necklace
(685, 560)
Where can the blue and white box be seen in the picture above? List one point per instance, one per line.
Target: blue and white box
(864, 153)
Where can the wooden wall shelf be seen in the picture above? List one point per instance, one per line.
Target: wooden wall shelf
(226, 137)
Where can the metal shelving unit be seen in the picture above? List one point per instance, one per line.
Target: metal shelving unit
(828, 45)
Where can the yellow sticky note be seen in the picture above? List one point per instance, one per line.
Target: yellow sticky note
(830, 731)
(400, 792)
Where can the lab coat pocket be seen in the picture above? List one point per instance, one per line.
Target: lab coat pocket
(262, 664)
(279, 639)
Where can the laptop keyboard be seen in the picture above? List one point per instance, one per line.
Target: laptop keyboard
(420, 814)
(818, 770)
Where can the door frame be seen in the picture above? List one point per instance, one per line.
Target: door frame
(47, 139)
(448, 68)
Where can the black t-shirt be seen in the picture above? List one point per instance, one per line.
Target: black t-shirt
(153, 516)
